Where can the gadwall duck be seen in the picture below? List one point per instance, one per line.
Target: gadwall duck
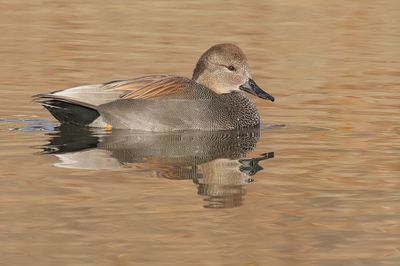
(211, 100)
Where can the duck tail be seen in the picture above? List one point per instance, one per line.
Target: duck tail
(67, 110)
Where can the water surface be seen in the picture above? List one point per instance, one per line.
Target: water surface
(318, 184)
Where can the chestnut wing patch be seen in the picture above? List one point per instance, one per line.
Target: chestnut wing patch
(154, 87)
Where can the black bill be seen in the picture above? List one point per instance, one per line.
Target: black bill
(251, 87)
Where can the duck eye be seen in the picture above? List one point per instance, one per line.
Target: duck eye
(231, 68)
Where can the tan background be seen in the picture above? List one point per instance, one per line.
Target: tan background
(329, 197)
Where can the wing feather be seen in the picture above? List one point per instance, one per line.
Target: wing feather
(153, 87)
(146, 87)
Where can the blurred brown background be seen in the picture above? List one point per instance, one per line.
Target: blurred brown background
(329, 197)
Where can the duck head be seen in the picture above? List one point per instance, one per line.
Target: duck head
(223, 68)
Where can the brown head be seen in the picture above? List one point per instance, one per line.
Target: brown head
(223, 68)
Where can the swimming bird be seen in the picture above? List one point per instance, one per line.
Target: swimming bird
(211, 100)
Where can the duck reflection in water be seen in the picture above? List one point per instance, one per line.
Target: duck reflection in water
(215, 161)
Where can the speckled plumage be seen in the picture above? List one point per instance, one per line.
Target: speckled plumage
(207, 112)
